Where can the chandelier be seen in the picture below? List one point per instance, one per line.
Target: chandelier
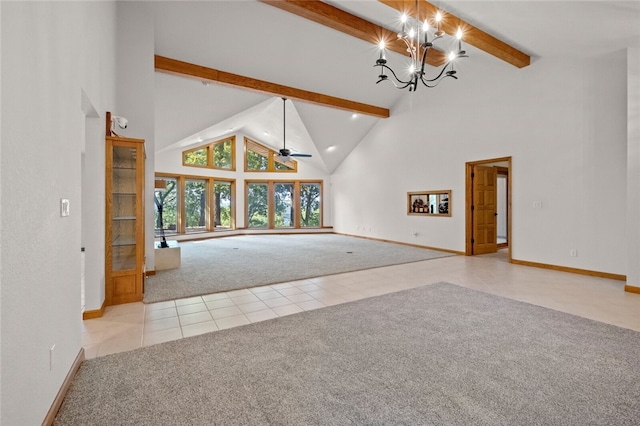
(419, 38)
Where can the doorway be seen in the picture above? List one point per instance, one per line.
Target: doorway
(488, 215)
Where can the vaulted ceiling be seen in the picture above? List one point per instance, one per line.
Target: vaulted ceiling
(296, 56)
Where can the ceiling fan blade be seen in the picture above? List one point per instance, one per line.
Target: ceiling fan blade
(299, 155)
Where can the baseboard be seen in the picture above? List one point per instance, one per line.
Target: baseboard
(96, 313)
(150, 272)
(57, 402)
(461, 253)
(598, 274)
(632, 289)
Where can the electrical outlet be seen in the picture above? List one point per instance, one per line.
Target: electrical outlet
(574, 253)
(51, 357)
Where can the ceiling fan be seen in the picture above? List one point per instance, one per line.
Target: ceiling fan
(285, 154)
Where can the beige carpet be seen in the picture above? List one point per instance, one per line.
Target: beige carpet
(435, 355)
(231, 263)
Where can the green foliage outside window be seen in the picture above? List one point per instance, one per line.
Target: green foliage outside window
(167, 199)
(309, 204)
(281, 166)
(195, 205)
(258, 205)
(196, 157)
(222, 155)
(256, 161)
(284, 212)
(222, 199)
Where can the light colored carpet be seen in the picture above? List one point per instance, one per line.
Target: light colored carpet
(435, 355)
(231, 263)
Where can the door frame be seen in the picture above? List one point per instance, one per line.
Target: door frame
(504, 171)
(469, 202)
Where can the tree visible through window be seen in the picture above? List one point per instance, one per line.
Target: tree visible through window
(309, 204)
(166, 199)
(259, 158)
(216, 155)
(196, 157)
(222, 200)
(195, 195)
(223, 154)
(257, 205)
(284, 210)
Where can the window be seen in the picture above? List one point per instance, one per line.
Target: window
(259, 158)
(283, 166)
(310, 204)
(215, 155)
(284, 210)
(195, 203)
(257, 205)
(196, 157)
(166, 200)
(223, 214)
(223, 154)
(192, 204)
(275, 204)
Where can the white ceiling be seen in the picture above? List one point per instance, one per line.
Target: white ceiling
(259, 41)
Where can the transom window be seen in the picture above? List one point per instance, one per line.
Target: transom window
(215, 155)
(259, 158)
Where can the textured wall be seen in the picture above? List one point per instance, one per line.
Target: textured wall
(51, 53)
(563, 120)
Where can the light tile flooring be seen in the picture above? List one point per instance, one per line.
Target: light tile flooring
(134, 325)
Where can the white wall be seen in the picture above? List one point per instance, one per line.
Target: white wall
(51, 52)
(633, 167)
(562, 120)
(135, 92)
(171, 162)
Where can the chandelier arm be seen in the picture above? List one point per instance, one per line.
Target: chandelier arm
(442, 71)
(406, 83)
(431, 86)
(424, 58)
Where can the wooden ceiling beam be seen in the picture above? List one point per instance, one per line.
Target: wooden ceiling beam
(472, 35)
(352, 25)
(185, 69)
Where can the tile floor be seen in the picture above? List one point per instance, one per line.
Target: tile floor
(134, 325)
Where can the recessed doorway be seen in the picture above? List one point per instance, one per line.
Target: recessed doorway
(488, 214)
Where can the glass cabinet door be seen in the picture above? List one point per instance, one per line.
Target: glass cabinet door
(124, 208)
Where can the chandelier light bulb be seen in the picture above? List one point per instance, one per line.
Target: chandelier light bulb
(452, 56)
(459, 34)
(403, 18)
(438, 16)
(425, 26)
(412, 33)
(381, 45)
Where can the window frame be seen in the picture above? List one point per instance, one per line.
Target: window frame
(272, 159)
(209, 202)
(271, 201)
(210, 156)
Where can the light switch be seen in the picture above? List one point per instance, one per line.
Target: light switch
(64, 207)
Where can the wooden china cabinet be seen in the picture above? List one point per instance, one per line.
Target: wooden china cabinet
(124, 238)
